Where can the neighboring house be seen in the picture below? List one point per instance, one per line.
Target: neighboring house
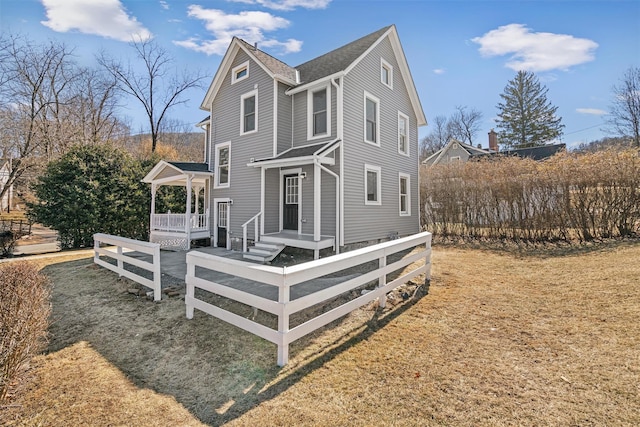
(454, 152)
(317, 156)
(5, 201)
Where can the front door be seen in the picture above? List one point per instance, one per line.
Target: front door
(222, 225)
(290, 202)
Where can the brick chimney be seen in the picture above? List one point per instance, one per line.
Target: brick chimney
(493, 141)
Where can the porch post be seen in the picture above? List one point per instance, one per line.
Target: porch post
(188, 213)
(262, 184)
(153, 206)
(317, 178)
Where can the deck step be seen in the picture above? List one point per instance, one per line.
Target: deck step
(263, 252)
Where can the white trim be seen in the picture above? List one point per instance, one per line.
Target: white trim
(215, 220)
(275, 118)
(216, 174)
(255, 118)
(385, 65)
(375, 99)
(407, 139)
(402, 176)
(314, 83)
(284, 172)
(234, 72)
(310, 92)
(378, 171)
(456, 158)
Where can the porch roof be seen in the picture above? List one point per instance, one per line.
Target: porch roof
(305, 154)
(176, 173)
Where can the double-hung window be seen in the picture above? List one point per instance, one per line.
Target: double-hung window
(372, 185)
(319, 112)
(371, 119)
(223, 156)
(404, 194)
(403, 134)
(249, 112)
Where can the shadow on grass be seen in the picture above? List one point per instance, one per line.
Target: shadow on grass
(215, 370)
(523, 249)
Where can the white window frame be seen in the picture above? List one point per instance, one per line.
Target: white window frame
(405, 118)
(378, 171)
(384, 65)
(310, 93)
(234, 73)
(455, 146)
(242, 98)
(454, 158)
(216, 183)
(407, 212)
(376, 100)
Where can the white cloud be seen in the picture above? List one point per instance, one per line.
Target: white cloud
(164, 5)
(287, 4)
(106, 18)
(438, 71)
(249, 26)
(592, 111)
(531, 51)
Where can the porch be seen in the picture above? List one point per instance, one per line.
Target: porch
(177, 230)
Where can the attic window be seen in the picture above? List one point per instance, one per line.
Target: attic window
(455, 146)
(240, 72)
(386, 73)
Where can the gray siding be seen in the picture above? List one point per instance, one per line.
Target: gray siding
(366, 222)
(285, 123)
(225, 115)
(272, 201)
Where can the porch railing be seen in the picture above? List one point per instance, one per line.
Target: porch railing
(256, 234)
(176, 222)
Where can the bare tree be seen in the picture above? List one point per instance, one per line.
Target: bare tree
(437, 138)
(155, 87)
(464, 124)
(624, 113)
(35, 84)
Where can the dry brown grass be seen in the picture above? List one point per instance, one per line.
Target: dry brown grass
(500, 339)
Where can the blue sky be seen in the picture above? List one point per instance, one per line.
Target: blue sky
(461, 53)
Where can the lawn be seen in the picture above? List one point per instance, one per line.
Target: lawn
(503, 337)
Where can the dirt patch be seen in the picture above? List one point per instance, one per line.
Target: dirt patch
(499, 340)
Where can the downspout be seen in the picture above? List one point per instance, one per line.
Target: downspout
(340, 136)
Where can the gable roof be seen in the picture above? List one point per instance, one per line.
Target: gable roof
(175, 173)
(470, 149)
(275, 68)
(338, 61)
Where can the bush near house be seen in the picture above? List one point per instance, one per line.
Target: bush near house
(570, 196)
(24, 319)
(90, 189)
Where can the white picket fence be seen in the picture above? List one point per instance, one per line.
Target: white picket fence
(122, 243)
(284, 278)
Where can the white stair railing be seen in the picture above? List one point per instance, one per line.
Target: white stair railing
(256, 236)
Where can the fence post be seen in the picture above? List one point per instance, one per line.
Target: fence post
(157, 275)
(190, 292)
(96, 246)
(119, 260)
(427, 274)
(382, 280)
(283, 319)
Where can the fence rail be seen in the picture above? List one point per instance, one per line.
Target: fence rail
(122, 243)
(284, 278)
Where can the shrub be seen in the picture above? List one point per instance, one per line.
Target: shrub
(93, 189)
(570, 196)
(24, 318)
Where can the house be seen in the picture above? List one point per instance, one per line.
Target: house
(6, 199)
(456, 151)
(321, 155)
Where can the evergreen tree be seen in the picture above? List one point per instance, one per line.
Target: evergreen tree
(525, 117)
